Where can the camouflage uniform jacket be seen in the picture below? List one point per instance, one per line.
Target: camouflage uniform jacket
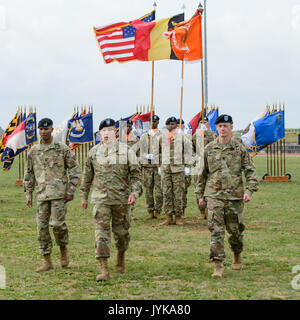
(222, 173)
(144, 149)
(47, 167)
(174, 151)
(131, 140)
(115, 173)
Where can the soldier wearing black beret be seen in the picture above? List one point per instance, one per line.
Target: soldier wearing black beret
(220, 186)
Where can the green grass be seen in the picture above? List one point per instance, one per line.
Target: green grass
(162, 263)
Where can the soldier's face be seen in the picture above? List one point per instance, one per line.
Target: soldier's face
(129, 127)
(45, 133)
(108, 134)
(172, 126)
(224, 129)
(155, 124)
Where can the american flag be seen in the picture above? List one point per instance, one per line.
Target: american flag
(116, 41)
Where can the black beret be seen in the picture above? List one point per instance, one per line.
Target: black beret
(200, 118)
(45, 122)
(224, 118)
(129, 122)
(178, 121)
(155, 117)
(171, 119)
(107, 123)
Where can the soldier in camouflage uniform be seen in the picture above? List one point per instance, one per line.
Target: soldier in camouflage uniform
(132, 140)
(187, 172)
(172, 147)
(209, 136)
(46, 168)
(150, 162)
(221, 186)
(117, 184)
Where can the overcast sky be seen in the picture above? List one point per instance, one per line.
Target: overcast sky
(49, 58)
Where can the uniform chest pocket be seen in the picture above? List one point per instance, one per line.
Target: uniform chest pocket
(214, 161)
(233, 159)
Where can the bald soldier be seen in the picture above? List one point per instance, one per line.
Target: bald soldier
(46, 170)
(209, 136)
(221, 187)
(114, 169)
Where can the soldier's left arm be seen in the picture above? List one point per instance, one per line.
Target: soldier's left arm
(250, 172)
(74, 171)
(135, 175)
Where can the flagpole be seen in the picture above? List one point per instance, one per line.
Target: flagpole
(182, 77)
(152, 96)
(205, 56)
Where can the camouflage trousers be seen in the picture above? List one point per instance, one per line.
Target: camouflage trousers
(51, 213)
(152, 184)
(119, 215)
(229, 215)
(187, 183)
(173, 189)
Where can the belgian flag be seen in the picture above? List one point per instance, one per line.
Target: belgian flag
(150, 42)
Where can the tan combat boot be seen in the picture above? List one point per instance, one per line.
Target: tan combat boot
(203, 215)
(150, 216)
(167, 222)
(104, 273)
(237, 261)
(47, 264)
(158, 216)
(219, 269)
(64, 257)
(120, 265)
(178, 221)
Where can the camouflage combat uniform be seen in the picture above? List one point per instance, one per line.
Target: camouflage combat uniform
(222, 186)
(209, 136)
(151, 176)
(132, 141)
(172, 170)
(46, 168)
(116, 175)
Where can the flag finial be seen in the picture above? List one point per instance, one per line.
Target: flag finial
(183, 7)
(154, 5)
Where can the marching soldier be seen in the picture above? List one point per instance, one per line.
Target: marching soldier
(150, 162)
(117, 184)
(46, 168)
(172, 147)
(221, 187)
(131, 139)
(209, 136)
(187, 172)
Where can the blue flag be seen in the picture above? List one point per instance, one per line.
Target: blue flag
(81, 129)
(212, 116)
(269, 129)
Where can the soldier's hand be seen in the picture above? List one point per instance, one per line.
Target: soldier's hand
(202, 202)
(84, 205)
(131, 199)
(29, 203)
(68, 198)
(247, 198)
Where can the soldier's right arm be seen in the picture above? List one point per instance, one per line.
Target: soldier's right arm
(201, 179)
(29, 177)
(87, 179)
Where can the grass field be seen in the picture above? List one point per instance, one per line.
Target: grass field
(170, 262)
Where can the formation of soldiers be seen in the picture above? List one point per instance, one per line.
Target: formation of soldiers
(164, 162)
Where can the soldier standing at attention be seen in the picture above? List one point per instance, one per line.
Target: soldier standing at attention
(117, 184)
(221, 186)
(209, 136)
(46, 168)
(187, 172)
(150, 162)
(172, 147)
(131, 139)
